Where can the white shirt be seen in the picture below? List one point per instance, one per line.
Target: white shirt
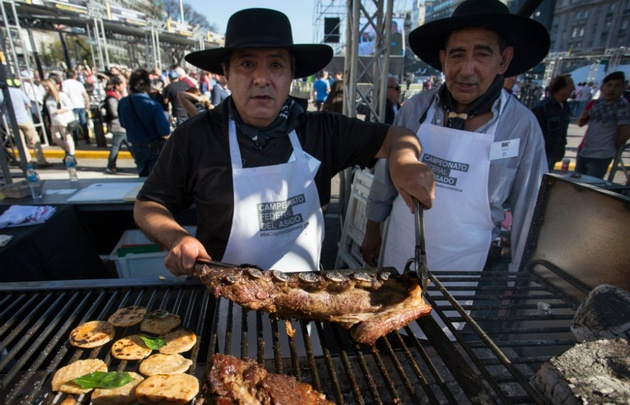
(74, 89)
(34, 92)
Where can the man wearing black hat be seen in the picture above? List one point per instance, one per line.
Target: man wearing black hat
(258, 167)
(485, 147)
(608, 128)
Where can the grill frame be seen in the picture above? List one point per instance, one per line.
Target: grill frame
(485, 364)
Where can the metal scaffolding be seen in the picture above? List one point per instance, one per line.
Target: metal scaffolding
(359, 17)
(13, 64)
(93, 21)
(611, 58)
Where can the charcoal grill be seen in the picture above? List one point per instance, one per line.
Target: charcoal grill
(516, 322)
(481, 367)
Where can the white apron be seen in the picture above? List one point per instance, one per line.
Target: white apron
(278, 224)
(458, 228)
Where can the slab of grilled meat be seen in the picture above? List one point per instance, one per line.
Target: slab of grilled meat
(370, 305)
(231, 380)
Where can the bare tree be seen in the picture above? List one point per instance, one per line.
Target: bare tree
(171, 9)
(191, 16)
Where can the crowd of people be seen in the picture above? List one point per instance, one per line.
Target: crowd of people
(65, 101)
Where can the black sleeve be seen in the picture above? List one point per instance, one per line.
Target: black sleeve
(539, 112)
(339, 142)
(112, 108)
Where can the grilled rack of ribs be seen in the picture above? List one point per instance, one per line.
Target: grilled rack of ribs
(231, 380)
(370, 305)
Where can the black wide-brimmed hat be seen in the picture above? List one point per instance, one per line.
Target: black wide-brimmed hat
(263, 28)
(529, 38)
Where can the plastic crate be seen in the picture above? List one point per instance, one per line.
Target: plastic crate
(136, 256)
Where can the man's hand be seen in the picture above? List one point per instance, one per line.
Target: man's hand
(159, 225)
(583, 118)
(183, 255)
(413, 180)
(372, 241)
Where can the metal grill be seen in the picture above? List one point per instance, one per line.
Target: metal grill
(515, 324)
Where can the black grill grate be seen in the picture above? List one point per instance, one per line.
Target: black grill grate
(515, 324)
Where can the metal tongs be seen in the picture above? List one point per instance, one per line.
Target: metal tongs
(420, 255)
(199, 263)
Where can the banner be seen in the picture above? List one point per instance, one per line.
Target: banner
(176, 27)
(75, 6)
(215, 38)
(125, 15)
(367, 42)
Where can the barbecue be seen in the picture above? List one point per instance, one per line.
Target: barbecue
(231, 380)
(36, 321)
(517, 322)
(370, 305)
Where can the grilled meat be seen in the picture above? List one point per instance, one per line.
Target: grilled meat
(231, 380)
(371, 305)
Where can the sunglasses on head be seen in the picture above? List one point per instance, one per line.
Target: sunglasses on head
(396, 87)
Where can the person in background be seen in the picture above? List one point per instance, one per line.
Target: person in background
(608, 128)
(320, 91)
(220, 91)
(204, 84)
(509, 83)
(396, 40)
(575, 104)
(117, 89)
(60, 110)
(156, 93)
(178, 112)
(194, 102)
(582, 96)
(336, 76)
(392, 104)
(29, 137)
(33, 90)
(334, 101)
(75, 90)
(410, 78)
(183, 76)
(144, 121)
(485, 147)
(553, 114)
(155, 74)
(258, 167)
(367, 42)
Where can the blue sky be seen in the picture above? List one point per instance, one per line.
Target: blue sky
(300, 13)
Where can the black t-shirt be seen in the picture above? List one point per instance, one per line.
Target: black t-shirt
(194, 166)
(170, 92)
